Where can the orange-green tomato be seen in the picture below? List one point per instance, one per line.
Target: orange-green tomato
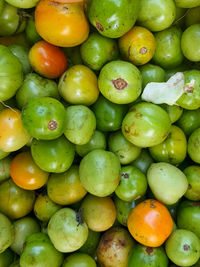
(138, 45)
(78, 85)
(173, 149)
(13, 136)
(95, 208)
(47, 60)
(25, 173)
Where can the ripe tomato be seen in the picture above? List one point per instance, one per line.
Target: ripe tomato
(61, 24)
(150, 223)
(25, 173)
(12, 133)
(47, 60)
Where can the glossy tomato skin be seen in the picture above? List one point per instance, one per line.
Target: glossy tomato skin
(61, 24)
(44, 118)
(25, 173)
(13, 136)
(15, 202)
(150, 223)
(47, 60)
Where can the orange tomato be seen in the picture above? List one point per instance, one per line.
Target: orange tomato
(47, 60)
(13, 136)
(138, 45)
(61, 24)
(25, 173)
(150, 223)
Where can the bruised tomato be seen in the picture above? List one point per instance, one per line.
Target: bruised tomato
(61, 24)
(47, 60)
(150, 223)
(25, 173)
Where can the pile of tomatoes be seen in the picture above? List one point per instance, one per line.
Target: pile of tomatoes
(91, 174)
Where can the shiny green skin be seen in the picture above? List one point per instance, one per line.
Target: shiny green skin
(79, 260)
(156, 15)
(11, 75)
(190, 100)
(44, 208)
(39, 252)
(194, 146)
(189, 121)
(100, 172)
(183, 247)
(67, 231)
(108, 115)
(124, 208)
(98, 141)
(44, 118)
(5, 168)
(188, 216)
(193, 175)
(174, 112)
(22, 54)
(15, 202)
(60, 154)
(23, 3)
(151, 73)
(125, 71)
(35, 86)
(31, 32)
(167, 183)
(6, 258)
(113, 18)
(91, 243)
(126, 151)
(98, 50)
(6, 232)
(23, 228)
(59, 187)
(187, 3)
(133, 184)
(148, 257)
(173, 149)
(80, 124)
(73, 56)
(192, 16)
(146, 125)
(11, 20)
(143, 161)
(168, 53)
(190, 43)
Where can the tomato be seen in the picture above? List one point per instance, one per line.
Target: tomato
(91, 243)
(31, 33)
(78, 259)
(6, 258)
(189, 121)
(47, 60)
(173, 111)
(68, 1)
(23, 228)
(15, 202)
(150, 223)
(96, 207)
(193, 176)
(23, 3)
(11, 75)
(78, 85)
(194, 146)
(61, 24)
(5, 168)
(44, 118)
(25, 173)
(143, 161)
(138, 45)
(13, 136)
(7, 233)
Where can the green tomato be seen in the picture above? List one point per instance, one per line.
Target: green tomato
(173, 111)
(67, 230)
(143, 161)
(194, 146)
(193, 175)
(11, 75)
(91, 243)
(120, 82)
(39, 252)
(146, 125)
(60, 154)
(6, 258)
(80, 124)
(23, 228)
(23, 3)
(133, 184)
(108, 115)
(187, 3)
(189, 121)
(183, 247)
(73, 56)
(31, 32)
(44, 118)
(6, 232)
(192, 16)
(5, 168)
(79, 260)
